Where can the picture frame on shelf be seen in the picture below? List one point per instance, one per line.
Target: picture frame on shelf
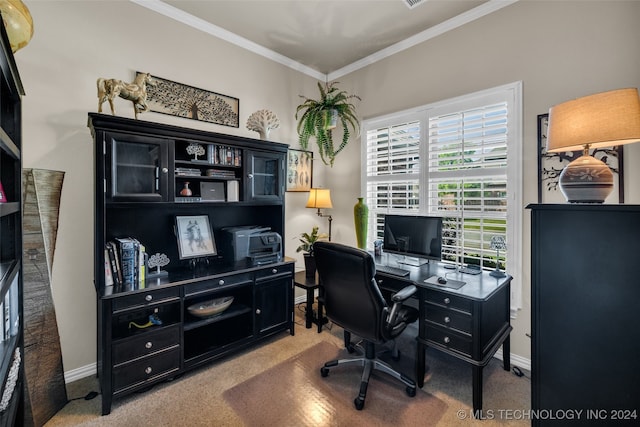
(299, 170)
(195, 237)
(550, 165)
(181, 100)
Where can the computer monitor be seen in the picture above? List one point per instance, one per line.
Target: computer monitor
(415, 237)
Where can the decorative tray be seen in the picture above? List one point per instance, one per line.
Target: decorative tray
(210, 308)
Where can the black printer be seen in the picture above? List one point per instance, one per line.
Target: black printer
(259, 244)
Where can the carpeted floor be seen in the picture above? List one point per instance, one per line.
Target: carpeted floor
(279, 383)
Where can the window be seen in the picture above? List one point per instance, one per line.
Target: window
(460, 159)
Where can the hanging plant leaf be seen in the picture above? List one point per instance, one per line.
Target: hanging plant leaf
(315, 120)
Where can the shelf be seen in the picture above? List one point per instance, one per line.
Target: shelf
(7, 144)
(233, 311)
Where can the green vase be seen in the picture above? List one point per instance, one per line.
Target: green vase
(361, 220)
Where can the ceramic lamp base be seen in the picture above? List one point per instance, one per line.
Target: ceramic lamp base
(586, 180)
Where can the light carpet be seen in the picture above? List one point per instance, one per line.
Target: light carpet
(293, 393)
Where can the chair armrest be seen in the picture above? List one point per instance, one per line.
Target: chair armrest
(397, 299)
(404, 293)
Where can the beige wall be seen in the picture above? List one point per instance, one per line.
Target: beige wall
(559, 50)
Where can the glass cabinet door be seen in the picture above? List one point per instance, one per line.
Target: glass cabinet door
(265, 178)
(139, 168)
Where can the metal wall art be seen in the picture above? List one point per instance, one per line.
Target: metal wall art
(299, 170)
(550, 165)
(186, 101)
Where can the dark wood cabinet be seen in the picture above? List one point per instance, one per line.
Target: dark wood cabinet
(147, 333)
(584, 293)
(11, 271)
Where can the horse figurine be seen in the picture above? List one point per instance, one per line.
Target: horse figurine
(135, 92)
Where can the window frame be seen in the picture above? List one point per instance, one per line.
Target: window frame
(512, 94)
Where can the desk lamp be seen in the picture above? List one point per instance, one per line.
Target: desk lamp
(320, 198)
(498, 244)
(604, 119)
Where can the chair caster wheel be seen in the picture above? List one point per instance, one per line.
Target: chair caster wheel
(359, 403)
(324, 372)
(411, 391)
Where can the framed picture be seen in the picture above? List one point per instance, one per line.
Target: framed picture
(195, 238)
(299, 170)
(177, 99)
(550, 165)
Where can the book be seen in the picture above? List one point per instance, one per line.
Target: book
(141, 265)
(127, 253)
(108, 273)
(115, 264)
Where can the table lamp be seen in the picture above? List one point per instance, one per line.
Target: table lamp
(604, 119)
(320, 198)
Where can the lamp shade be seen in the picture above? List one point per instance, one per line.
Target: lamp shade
(604, 119)
(319, 198)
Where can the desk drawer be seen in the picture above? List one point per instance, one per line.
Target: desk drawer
(146, 369)
(145, 343)
(147, 298)
(449, 339)
(218, 283)
(274, 271)
(444, 299)
(449, 318)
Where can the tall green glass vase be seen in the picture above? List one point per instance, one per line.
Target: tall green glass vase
(361, 220)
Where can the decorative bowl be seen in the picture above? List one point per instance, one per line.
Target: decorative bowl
(210, 308)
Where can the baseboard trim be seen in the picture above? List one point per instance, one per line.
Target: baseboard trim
(80, 373)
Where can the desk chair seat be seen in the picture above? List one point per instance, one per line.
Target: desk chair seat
(353, 301)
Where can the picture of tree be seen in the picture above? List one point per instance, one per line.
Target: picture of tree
(181, 100)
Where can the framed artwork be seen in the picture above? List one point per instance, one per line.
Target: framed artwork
(195, 238)
(550, 166)
(299, 170)
(177, 99)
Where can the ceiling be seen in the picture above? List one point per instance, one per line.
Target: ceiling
(324, 38)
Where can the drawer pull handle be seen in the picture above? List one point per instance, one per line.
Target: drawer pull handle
(220, 282)
(447, 300)
(447, 319)
(447, 340)
(258, 311)
(274, 271)
(148, 370)
(148, 297)
(149, 344)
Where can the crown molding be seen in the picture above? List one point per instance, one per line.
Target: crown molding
(207, 27)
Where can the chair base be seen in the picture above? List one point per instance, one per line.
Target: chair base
(370, 363)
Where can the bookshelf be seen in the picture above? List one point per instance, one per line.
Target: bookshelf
(147, 330)
(11, 287)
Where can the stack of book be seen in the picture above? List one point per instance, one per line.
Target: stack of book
(188, 172)
(221, 173)
(125, 264)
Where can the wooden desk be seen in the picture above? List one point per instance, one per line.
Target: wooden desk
(469, 323)
(310, 284)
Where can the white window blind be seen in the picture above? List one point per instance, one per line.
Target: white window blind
(468, 181)
(460, 159)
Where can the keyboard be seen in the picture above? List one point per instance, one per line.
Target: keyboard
(392, 270)
(470, 269)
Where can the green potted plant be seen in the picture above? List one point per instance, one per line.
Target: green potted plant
(318, 118)
(307, 240)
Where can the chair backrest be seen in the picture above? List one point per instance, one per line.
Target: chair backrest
(350, 294)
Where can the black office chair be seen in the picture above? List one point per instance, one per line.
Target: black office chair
(353, 301)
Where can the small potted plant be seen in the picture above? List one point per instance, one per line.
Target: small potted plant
(307, 240)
